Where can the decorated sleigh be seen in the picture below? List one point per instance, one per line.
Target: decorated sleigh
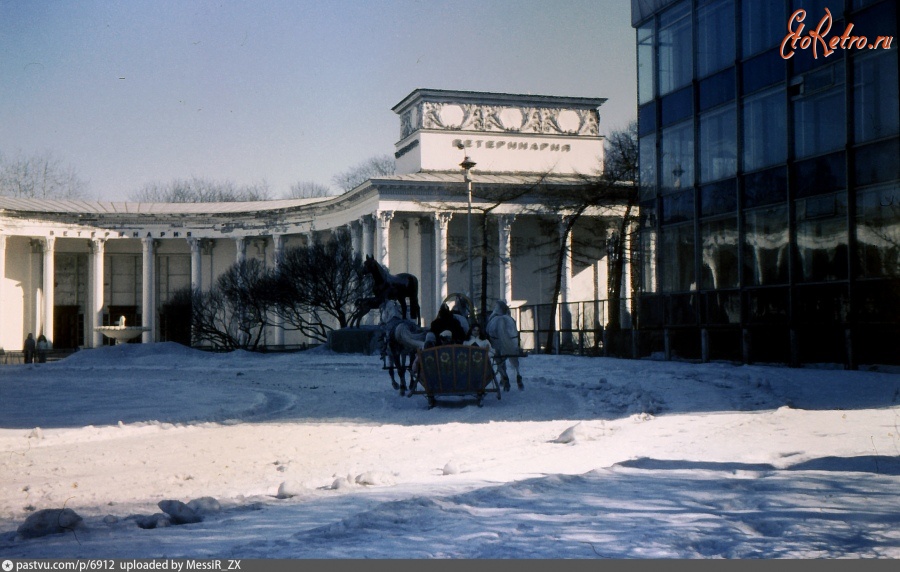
(454, 370)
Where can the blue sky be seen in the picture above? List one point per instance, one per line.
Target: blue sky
(137, 91)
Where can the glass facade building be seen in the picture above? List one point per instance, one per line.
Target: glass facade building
(769, 186)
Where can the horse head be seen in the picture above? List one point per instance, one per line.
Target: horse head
(390, 309)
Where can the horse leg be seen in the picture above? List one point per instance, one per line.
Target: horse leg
(515, 363)
(503, 375)
(394, 383)
(401, 370)
(386, 353)
(413, 375)
(414, 310)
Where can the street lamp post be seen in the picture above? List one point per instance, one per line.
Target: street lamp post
(467, 165)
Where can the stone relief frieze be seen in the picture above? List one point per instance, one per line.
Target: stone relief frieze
(500, 119)
(406, 126)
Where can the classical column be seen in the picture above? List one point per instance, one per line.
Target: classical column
(628, 269)
(49, 281)
(383, 235)
(196, 265)
(148, 305)
(37, 291)
(97, 302)
(505, 231)
(354, 237)
(2, 274)
(367, 237)
(240, 244)
(278, 247)
(207, 247)
(441, 224)
(565, 317)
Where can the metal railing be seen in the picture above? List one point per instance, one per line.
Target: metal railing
(577, 327)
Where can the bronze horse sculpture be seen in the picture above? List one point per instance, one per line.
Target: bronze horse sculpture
(399, 287)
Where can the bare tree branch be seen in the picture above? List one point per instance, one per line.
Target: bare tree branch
(198, 190)
(41, 176)
(378, 166)
(308, 190)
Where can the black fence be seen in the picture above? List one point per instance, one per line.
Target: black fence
(575, 328)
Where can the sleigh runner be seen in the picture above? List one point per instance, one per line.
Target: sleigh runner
(455, 370)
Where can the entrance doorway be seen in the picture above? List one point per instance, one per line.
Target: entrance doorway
(68, 327)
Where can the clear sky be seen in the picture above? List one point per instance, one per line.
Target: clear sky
(137, 91)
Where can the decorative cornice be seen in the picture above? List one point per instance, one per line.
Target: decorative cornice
(483, 118)
(489, 112)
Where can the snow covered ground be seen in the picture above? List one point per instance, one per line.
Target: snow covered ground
(312, 455)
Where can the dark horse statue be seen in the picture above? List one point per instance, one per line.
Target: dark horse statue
(387, 286)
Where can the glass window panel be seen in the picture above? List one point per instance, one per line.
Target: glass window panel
(765, 130)
(717, 89)
(805, 59)
(763, 70)
(767, 305)
(765, 188)
(822, 238)
(723, 308)
(857, 4)
(718, 144)
(676, 106)
(822, 304)
(766, 246)
(876, 96)
(647, 164)
(764, 25)
(881, 20)
(821, 175)
(647, 118)
(878, 162)
(677, 258)
(683, 310)
(719, 254)
(815, 9)
(878, 301)
(718, 198)
(715, 37)
(878, 231)
(677, 161)
(648, 246)
(820, 123)
(675, 49)
(645, 51)
(678, 208)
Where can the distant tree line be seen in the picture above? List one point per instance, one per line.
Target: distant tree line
(41, 176)
(44, 176)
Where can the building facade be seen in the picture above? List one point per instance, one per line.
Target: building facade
(68, 267)
(770, 180)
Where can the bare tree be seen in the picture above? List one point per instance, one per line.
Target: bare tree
(234, 313)
(308, 190)
(199, 190)
(613, 190)
(319, 287)
(620, 175)
(378, 166)
(41, 176)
